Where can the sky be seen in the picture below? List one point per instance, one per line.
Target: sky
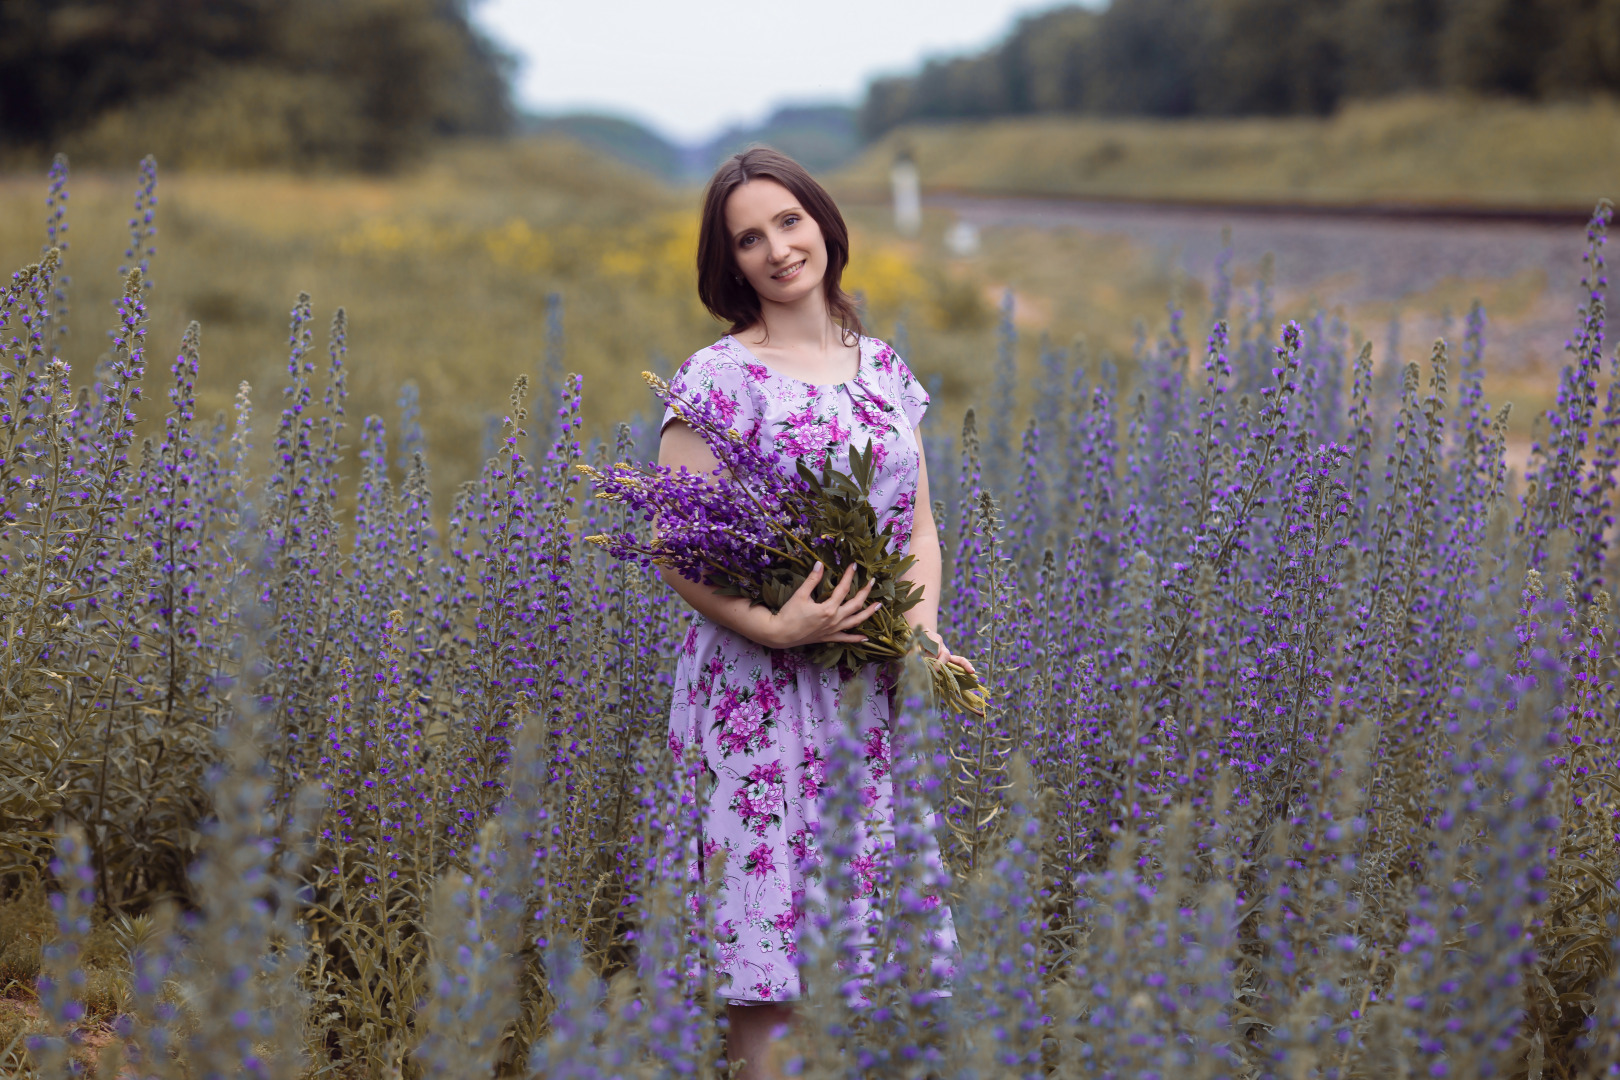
(690, 68)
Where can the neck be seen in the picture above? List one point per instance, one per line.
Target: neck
(804, 323)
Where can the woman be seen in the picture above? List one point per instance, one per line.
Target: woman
(795, 370)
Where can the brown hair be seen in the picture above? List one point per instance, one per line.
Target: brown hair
(724, 291)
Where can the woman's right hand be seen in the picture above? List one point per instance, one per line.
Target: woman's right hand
(803, 621)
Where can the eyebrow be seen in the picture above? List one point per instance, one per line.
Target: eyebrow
(794, 209)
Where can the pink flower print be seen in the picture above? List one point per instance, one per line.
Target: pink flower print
(814, 773)
(786, 921)
(884, 358)
(759, 800)
(711, 671)
(765, 694)
(876, 399)
(724, 405)
(871, 417)
(689, 645)
(802, 844)
(877, 752)
(762, 990)
(901, 516)
(865, 869)
(807, 436)
(786, 665)
(758, 372)
(869, 796)
(742, 723)
(761, 862)
(677, 747)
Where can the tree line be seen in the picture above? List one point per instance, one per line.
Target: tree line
(344, 82)
(1261, 57)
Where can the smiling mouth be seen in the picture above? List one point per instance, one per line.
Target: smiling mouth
(788, 272)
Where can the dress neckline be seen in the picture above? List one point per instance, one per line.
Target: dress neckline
(860, 366)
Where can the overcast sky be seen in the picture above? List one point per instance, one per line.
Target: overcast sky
(688, 68)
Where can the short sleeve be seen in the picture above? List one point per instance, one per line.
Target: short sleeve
(714, 378)
(909, 392)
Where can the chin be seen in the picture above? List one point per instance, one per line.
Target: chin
(800, 287)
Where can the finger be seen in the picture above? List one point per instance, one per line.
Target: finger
(856, 602)
(847, 639)
(806, 590)
(965, 664)
(859, 617)
(841, 590)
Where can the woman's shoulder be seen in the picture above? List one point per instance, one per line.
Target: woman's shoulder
(724, 374)
(725, 361)
(885, 359)
(896, 379)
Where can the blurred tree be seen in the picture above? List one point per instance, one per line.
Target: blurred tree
(1045, 63)
(1391, 46)
(1146, 56)
(1245, 57)
(1495, 46)
(1586, 52)
(303, 82)
(1041, 67)
(1261, 57)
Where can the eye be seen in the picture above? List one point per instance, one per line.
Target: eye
(745, 241)
(790, 221)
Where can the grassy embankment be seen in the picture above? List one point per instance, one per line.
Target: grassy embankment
(1423, 151)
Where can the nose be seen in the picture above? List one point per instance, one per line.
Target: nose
(781, 251)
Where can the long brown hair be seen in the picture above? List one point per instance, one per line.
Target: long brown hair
(721, 287)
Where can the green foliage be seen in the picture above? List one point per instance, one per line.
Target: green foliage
(248, 83)
(1265, 57)
(1444, 151)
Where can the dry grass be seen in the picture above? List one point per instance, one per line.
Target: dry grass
(481, 229)
(487, 231)
(491, 230)
(1414, 150)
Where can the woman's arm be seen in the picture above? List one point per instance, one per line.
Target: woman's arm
(802, 621)
(927, 571)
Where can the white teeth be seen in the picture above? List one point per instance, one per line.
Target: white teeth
(781, 274)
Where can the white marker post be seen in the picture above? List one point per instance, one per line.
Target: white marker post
(963, 239)
(907, 194)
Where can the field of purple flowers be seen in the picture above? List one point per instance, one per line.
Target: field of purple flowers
(1300, 760)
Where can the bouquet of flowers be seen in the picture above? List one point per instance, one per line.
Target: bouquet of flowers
(755, 530)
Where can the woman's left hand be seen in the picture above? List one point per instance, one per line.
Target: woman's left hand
(947, 657)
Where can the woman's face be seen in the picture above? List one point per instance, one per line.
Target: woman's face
(778, 247)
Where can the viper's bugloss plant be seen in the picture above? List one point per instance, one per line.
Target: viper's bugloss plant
(1299, 759)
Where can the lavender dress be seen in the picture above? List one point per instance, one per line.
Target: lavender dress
(764, 717)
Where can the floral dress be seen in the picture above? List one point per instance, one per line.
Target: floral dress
(764, 718)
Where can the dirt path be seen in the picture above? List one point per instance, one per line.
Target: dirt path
(1388, 255)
